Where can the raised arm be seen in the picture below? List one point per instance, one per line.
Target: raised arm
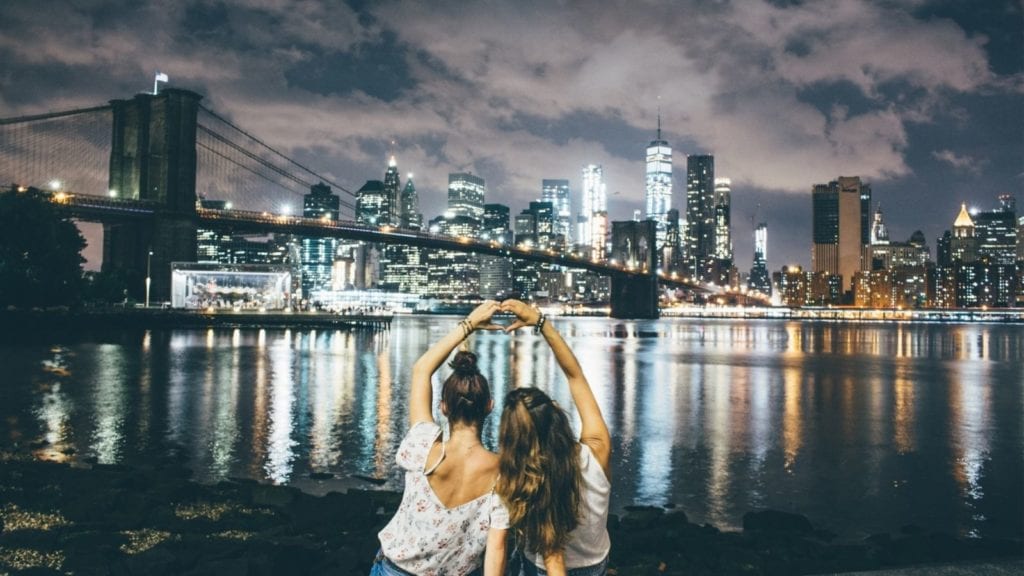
(421, 399)
(594, 431)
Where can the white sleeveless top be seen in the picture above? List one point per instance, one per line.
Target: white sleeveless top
(424, 537)
(589, 542)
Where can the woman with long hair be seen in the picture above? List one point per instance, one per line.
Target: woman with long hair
(556, 487)
(450, 522)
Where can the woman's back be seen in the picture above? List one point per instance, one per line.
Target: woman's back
(466, 471)
(442, 530)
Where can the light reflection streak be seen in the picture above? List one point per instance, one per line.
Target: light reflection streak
(971, 410)
(145, 390)
(794, 339)
(792, 417)
(54, 409)
(109, 405)
(382, 438)
(626, 354)
(225, 414)
(280, 445)
(493, 354)
(260, 435)
(718, 388)
(760, 434)
(904, 437)
(658, 416)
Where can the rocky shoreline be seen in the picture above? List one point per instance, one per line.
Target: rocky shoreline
(119, 520)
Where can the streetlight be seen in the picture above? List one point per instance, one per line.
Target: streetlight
(149, 260)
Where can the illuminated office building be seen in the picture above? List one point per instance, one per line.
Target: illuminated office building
(841, 227)
(723, 230)
(557, 193)
(658, 184)
(402, 268)
(318, 253)
(466, 194)
(759, 279)
(392, 198)
(700, 214)
(496, 271)
(592, 228)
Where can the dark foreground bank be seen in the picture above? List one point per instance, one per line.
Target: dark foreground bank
(58, 519)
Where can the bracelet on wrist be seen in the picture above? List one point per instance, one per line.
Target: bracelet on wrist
(539, 326)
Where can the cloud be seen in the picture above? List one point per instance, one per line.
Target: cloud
(960, 163)
(783, 95)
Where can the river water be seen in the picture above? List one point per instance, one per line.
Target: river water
(862, 427)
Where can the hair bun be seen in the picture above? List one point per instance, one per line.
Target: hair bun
(464, 363)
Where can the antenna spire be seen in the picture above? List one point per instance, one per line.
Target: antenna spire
(659, 121)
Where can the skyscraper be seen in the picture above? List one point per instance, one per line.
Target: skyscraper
(496, 271)
(593, 219)
(410, 216)
(996, 231)
(700, 213)
(658, 190)
(759, 278)
(557, 192)
(879, 232)
(403, 268)
(723, 208)
(392, 201)
(466, 195)
(318, 253)
(372, 206)
(840, 227)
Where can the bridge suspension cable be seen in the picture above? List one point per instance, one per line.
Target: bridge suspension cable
(70, 148)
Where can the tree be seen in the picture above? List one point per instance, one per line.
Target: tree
(40, 252)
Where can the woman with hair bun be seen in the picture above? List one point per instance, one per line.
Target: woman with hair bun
(556, 487)
(451, 522)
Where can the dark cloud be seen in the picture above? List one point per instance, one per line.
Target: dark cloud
(379, 69)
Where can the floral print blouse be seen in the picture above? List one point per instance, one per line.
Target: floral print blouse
(425, 537)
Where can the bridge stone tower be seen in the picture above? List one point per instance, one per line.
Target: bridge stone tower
(633, 246)
(153, 157)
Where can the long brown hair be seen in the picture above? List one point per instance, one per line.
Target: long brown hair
(466, 393)
(539, 462)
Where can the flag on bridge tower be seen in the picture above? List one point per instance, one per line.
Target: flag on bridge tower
(160, 77)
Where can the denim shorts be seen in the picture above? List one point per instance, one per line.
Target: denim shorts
(384, 567)
(529, 569)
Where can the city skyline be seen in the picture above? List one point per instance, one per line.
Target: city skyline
(919, 99)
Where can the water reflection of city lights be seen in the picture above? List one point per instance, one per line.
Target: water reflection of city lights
(280, 445)
(109, 401)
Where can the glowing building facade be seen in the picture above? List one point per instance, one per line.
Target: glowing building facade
(658, 185)
(593, 219)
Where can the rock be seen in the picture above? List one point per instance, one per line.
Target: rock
(639, 517)
(275, 496)
(370, 479)
(776, 521)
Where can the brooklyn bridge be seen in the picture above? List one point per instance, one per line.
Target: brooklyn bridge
(138, 166)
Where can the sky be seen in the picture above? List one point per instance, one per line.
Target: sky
(923, 99)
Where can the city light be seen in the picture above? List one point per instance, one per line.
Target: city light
(55, 184)
(112, 193)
